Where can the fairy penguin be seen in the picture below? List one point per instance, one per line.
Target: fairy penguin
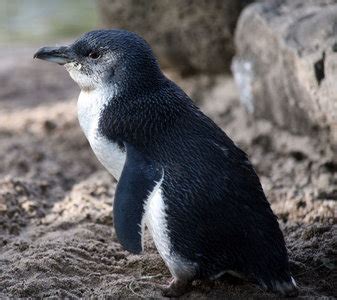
(178, 173)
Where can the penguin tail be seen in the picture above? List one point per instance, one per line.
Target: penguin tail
(286, 288)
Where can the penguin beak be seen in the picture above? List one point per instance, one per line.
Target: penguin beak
(59, 55)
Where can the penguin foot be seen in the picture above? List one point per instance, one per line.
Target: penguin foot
(176, 288)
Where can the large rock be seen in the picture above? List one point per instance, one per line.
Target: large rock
(286, 63)
(190, 36)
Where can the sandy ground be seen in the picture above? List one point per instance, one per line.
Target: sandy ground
(56, 233)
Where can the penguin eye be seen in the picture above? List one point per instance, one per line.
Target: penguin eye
(94, 55)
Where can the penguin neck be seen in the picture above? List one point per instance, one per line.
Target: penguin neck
(91, 103)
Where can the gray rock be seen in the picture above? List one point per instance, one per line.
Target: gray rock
(190, 36)
(286, 63)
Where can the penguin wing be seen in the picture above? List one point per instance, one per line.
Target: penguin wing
(138, 179)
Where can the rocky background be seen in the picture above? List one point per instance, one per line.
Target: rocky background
(56, 229)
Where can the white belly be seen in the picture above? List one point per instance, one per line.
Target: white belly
(155, 220)
(89, 107)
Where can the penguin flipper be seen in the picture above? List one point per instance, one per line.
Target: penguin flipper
(138, 179)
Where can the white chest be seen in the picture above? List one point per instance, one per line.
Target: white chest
(89, 106)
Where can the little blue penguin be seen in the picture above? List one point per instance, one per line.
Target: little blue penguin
(178, 173)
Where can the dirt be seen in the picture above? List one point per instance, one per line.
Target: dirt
(56, 229)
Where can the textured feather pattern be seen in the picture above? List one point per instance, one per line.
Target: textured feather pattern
(217, 215)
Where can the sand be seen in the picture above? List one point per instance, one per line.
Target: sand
(56, 229)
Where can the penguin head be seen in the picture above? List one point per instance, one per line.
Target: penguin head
(103, 58)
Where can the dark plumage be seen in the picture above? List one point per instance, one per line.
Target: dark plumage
(217, 215)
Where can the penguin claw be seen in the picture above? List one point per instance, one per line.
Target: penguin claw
(176, 288)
